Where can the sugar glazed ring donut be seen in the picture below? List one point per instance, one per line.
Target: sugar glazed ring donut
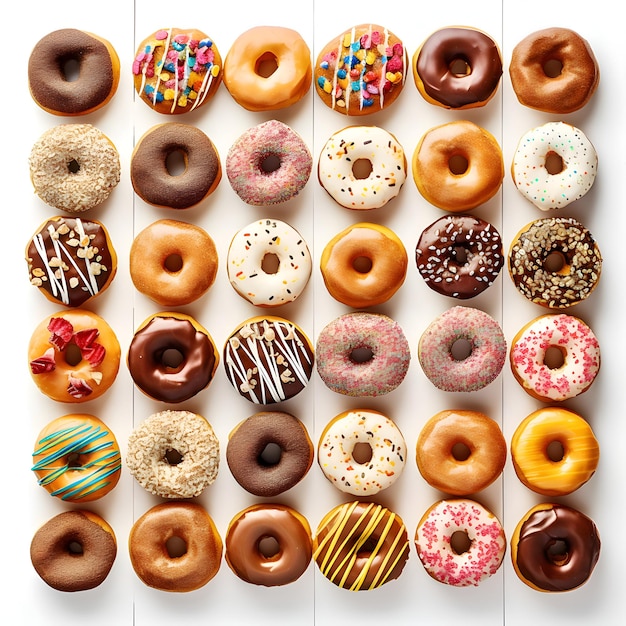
(71, 260)
(98, 72)
(162, 567)
(77, 458)
(74, 167)
(361, 452)
(56, 545)
(268, 68)
(487, 350)
(361, 546)
(361, 71)
(250, 552)
(268, 263)
(458, 166)
(269, 453)
(150, 172)
(268, 164)
(577, 353)
(554, 165)
(554, 70)
(74, 356)
(362, 167)
(555, 262)
(177, 70)
(174, 454)
(362, 354)
(459, 256)
(457, 68)
(173, 262)
(436, 542)
(460, 452)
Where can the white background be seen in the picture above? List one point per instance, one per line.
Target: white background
(122, 599)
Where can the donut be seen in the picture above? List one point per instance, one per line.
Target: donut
(361, 452)
(173, 454)
(172, 357)
(555, 262)
(77, 458)
(153, 172)
(268, 359)
(74, 167)
(364, 265)
(459, 255)
(268, 68)
(56, 545)
(362, 354)
(554, 70)
(269, 452)
(268, 263)
(173, 262)
(71, 260)
(74, 356)
(268, 545)
(458, 166)
(460, 542)
(177, 70)
(457, 68)
(554, 165)
(555, 357)
(175, 546)
(438, 345)
(554, 451)
(268, 164)
(51, 80)
(555, 548)
(362, 167)
(361, 545)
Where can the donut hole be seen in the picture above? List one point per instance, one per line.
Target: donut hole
(460, 451)
(75, 548)
(557, 552)
(362, 453)
(269, 163)
(70, 69)
(176, 547)
(460, 255)
(460, 542)
(266, 65)
(459, 66)
(555, 451)
(368, 547)
(362, 354)
(362, 264)
(73, 166)
(555, 262)
(554, 357)
(173, 263)
(73, 355)
(173, 457)
(176, 162)
(270, 263)
(552, 68)
(172, 358)
(461, 349)
(268, 547)
(270, 455)
(73, 460)
(362, 168)
(554, 163)
(458, 164)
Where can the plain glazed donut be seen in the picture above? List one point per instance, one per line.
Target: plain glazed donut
(576, 366)
(98, 72)
(268, 545)
(361, 452)
(361, 546)
(458, 166)
(435, 542)
(174, 454)
(150, 173)
(555, 548)
(269, 453)
(362, 167)
(77, 458)
(554, 70)
(362, 354)
(268, 164)
(460, 452)
(251, 271)
(74, 356)
(173, 262)
(459, 256)
(57, 544)
(74, 167)
(158, 564)
(487, 350)
(364, 265)
(268, 68)
(457, 68)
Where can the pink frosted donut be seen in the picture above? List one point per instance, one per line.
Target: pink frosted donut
(362, 354)
(485, 340)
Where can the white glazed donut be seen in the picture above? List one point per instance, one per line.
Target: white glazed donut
(338, 454)
(362, 143)
(554, 140)
(248, 254)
